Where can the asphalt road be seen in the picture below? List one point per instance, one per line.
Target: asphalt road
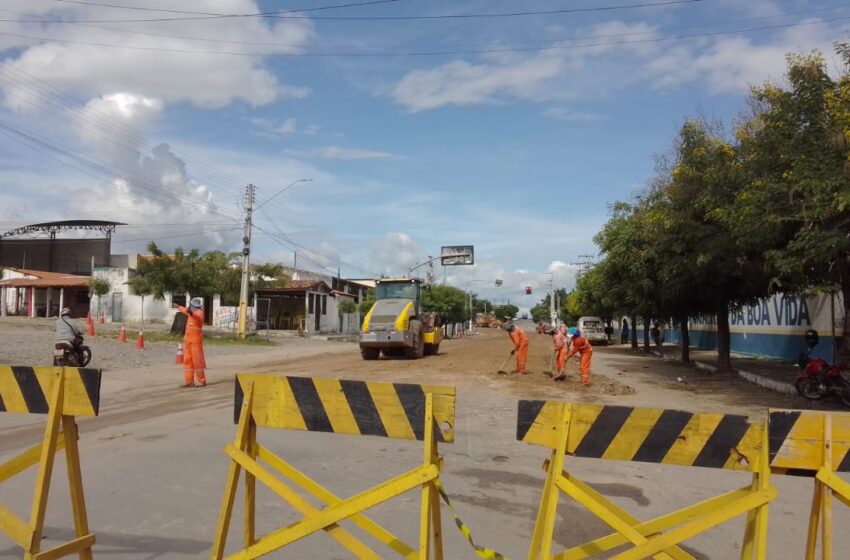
(154, 467)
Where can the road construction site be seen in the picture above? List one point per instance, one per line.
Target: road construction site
(154, 468)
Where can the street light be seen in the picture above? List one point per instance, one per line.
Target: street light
(269, 199)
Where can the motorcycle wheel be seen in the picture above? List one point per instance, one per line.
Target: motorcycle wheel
(842, 389)
(85, 356)
(808, 388)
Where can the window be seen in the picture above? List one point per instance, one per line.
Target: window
(310, 304)
(179, 299)
(324, 305)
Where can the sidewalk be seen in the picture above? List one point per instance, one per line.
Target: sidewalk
(773, 374)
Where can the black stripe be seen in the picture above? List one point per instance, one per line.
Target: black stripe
(309, 404)
(2, 404)
(412, 399)
(662, 436)
(527, 413)
(238, 397)
(844, 465)
(726, 435)
(30, 389)
(363, 408)
(91, 382)
(603, 431)
(780, 425)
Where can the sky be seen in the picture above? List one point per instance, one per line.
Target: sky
(392, 127)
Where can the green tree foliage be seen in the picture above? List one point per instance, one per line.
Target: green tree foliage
(99, 286)
(367, 303)
(347, 306)
(448, 302)
(795, 207)
(506, 310)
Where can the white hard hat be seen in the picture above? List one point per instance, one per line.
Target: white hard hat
(65, 311)
(197, 302)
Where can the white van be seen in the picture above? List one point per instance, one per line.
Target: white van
(593, 329)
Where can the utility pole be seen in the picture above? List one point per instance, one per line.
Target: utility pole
(551, 297)
(584, 263)
(250, 190)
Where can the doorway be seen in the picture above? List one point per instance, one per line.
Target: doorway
(117, 307)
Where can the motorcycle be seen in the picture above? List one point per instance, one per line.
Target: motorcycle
(819, 379)
(74, 355)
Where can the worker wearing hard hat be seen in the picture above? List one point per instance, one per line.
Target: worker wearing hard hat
(194, 363)
(581, 346)
(520, 340)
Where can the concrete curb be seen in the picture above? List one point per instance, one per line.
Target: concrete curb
(760, 380)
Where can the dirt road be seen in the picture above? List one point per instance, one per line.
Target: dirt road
(154, 468)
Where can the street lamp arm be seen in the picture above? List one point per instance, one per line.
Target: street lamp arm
(269, 199)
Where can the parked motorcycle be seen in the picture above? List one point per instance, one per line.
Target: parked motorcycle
(73, 355)
(819, 379)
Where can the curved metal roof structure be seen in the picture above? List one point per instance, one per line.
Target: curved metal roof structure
(53, 228)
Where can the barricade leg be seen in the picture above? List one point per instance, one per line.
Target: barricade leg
(75, 486)
(827, 485)
(45, 469)
(755, 534)
(233, 471)
(430, 522)
(250, 487)
(544, 526)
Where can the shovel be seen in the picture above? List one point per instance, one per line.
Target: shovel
(549, 371)
(502, 367)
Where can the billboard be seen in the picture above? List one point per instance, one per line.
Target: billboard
(454, 255)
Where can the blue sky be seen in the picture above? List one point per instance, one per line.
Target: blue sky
(515, 139)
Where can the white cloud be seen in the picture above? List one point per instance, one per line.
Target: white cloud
(596, 68)
(272, 127)
(576, 117)
(394, 254)
(337, 152)
(207, 79)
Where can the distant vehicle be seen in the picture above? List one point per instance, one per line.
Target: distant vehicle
(525, 315)
(593, 329)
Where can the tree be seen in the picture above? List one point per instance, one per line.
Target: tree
(367, 303)
(506, 310)
(99, 287)
(448, 302)
(795, 207)
(141, 287)
(346, 307)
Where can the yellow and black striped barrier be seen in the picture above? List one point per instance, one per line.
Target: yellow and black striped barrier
(61, 394)
(394, 410)
(662, 436)
(810, 443)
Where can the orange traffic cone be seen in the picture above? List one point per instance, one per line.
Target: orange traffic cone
(91, 328)
(101, 318)
(178, 359)
(140, 341)
(122, 335)
(88, 317)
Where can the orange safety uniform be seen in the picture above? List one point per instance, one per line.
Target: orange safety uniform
(520, 340)
(193, 347)
(581, 345)
(560, 342)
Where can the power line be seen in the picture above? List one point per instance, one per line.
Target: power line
(494, 50)
(455, 45)
(216, 14)
(293, 14)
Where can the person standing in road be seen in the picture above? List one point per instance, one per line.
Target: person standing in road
(194, 363)
(560, 342)
(582, 347)
(624, 332)
(520, 340)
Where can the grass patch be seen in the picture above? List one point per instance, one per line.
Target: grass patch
(214, 340)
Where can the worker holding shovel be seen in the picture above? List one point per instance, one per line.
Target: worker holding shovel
(520, 340)
(560, 353)
(581, 346)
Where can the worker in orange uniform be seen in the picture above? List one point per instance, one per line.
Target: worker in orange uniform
(560, 342)
(580, 345)
(520, 340)
(193, 344)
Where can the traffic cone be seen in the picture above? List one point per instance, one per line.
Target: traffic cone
(88, 317)
(178, 359)
(101, 318)
(140, 341)
(122, 335)
(91, 328)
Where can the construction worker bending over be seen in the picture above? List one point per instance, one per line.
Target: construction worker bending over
(193, 344)
(580, 345)
(520, 340)
(560, 342)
